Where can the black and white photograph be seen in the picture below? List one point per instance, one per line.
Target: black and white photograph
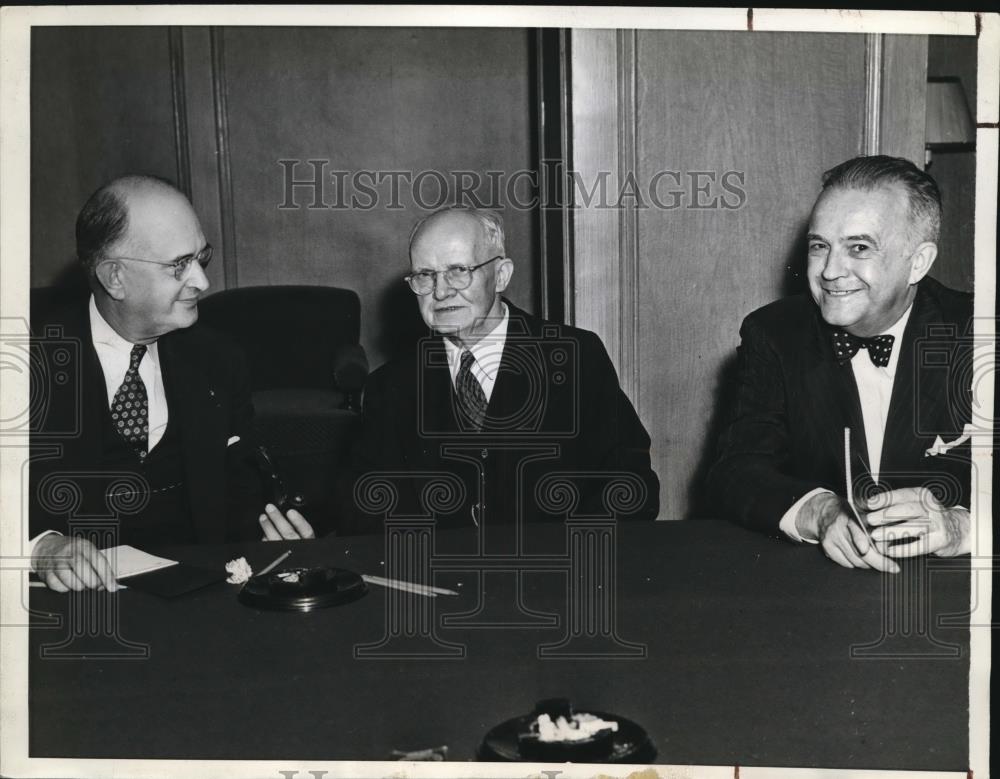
(496, 391)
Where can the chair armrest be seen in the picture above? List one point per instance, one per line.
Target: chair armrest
(350, 371)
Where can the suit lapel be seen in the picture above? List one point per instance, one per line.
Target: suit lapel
(85, 449)
(520, 370)
(436, 412)
(909, 409)
(95, 399)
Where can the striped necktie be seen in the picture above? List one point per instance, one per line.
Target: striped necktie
(471, 398)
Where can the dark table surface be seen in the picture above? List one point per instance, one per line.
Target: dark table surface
(735, 649)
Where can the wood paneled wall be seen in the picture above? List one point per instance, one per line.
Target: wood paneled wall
(731, 132)
(101, 105)
(358, 99)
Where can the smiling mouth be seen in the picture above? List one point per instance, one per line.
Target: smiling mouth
(840, 293)
(447, 309)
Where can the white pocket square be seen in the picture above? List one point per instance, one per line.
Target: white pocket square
(232, 441)
(940, 447)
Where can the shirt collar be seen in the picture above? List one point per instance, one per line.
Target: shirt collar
(103, 333)
(487, 352)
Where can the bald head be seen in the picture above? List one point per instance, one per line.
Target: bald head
(104, 219)
(484, 228)
(143, 247)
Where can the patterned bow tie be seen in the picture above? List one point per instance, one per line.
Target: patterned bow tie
(879, 347)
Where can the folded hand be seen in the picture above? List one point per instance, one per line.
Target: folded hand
(67, 563)
(916, 521)
(280, 527)
(828, 519)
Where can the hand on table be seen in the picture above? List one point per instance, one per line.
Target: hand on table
(828, 519)
(914, 513)
(66, 563)
(282, 527)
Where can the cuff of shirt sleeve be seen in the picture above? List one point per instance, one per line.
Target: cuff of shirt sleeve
(787, 523)
(32, 543)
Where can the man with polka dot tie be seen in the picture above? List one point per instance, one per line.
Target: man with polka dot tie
(852, 355)
(162, 405)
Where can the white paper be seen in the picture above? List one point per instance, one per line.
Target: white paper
(128, 561)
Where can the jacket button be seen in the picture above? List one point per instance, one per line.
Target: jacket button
(484, 453)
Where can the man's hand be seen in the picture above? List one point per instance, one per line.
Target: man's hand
(914, 513)
(827, 518)
(281, 527)
(65, 563)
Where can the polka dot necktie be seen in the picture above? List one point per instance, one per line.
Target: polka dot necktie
(879, 347)
(471, 398)
(130, 407)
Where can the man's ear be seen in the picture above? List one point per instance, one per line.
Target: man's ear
(921, 260)
(505, 269)
(109, 276)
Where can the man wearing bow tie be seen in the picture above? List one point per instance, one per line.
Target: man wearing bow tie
(856, 356)
(495, 402)
(157, 434)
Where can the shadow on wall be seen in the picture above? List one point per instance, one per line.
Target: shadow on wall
(400, 325)
(699, 499)
(793, 282)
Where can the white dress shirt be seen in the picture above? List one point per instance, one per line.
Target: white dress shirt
(486, 356)
(874, 391)
(114, 353)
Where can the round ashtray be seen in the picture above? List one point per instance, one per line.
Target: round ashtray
(517, 739)
(302, 589)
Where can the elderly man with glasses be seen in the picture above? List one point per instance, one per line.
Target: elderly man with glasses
(514, 419)
(153, 435)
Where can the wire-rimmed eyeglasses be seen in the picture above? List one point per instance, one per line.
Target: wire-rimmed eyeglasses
(457, 277)
(180, 265)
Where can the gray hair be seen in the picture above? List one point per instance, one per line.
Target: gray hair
(877, 171)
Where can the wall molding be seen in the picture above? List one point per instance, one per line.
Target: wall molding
(895, 96)
(628, 223)
(226, 209)
(566, 155)
(605, 258)
(175, 43)
(872, 125)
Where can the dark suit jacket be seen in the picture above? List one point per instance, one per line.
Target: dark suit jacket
(556, 407)
(208, 399)
(785, 431)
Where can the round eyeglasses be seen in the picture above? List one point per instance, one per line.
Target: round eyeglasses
(457, 277)
(180, 265)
